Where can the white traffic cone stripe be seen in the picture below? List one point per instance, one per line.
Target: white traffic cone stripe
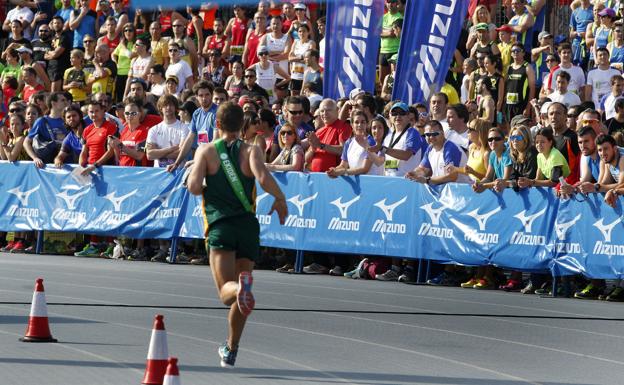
(38, 307)
(158, 346)
(172, 380)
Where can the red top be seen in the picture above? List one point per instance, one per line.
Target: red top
(29, 91)
(252, 48)
(239, 32)
(151, 120)
(134, 140)
(165, 21)
(333, 134)
(95, 139)
(112, 44)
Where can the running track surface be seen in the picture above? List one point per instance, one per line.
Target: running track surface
(396, 334)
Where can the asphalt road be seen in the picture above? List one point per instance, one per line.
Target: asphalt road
(306, 329)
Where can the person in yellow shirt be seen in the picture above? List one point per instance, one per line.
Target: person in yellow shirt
(504, 46)
(75, 77)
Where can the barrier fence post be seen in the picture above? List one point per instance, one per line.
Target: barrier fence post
(174, 249)
(428, 270)
(39, 246)
(418, 275)
(299, 262)
(555, 285)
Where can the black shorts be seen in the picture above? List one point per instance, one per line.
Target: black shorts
(282, 87)
(55, 74)
(295, 85)
(384, 57)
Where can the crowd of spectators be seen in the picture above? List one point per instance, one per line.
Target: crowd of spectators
(101, 83)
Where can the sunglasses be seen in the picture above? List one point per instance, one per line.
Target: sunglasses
(431, 134)
(284, 133)
(173, 50)
(128, 30)
(516, 138)
(250, 76)
(495, 139)
(131, 113)
(516, 51)
(423, 114)
(398, 113)
(262, 53)
(296, 112)
(88, 41)
(15, 110)
(178, 26)
(588, 121)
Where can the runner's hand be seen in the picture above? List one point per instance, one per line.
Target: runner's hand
(279, 205)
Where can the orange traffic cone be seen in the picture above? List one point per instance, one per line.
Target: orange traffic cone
(38, 328)
(156, 365)
(172, 377)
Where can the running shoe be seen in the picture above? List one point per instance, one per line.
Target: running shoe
(8, 247)
(315, 268)
(336, 270)
(408, 276)
(108, 253)
(244, 297)
(441, 280)
(528, 289)
(88, 251)
(199, 261)
(511, 285)
(390, 275)
(228, 357)
(617, 295)
(469, 284)
(138, 255)
(484, 284)
(284, 269)
(160, 256)
(589, 292)
(18, 247)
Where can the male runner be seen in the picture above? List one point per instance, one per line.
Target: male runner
(229, 168)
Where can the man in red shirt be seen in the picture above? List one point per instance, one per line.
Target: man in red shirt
(94, 150)
(326, 143)
(29, 76)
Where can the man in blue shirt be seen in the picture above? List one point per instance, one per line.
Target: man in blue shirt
(202, 129)
(82, 22)
(48, 127)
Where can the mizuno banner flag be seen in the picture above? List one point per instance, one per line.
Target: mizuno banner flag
(351, 46)
(428, 42)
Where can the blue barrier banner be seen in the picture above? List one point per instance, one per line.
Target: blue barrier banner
(427, 46)
(529, 230)
(351, 46)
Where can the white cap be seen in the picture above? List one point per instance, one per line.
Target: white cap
(544, 109)
(355, 93)
(300, 6)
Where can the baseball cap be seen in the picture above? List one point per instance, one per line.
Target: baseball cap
(172, 77)
(24, 49)
(482, 26)
(504, 28)
(400, 105)
(543, 35)
(519, 120)
(355, 93)
(607, 12)
(300, 6)
(142, 82)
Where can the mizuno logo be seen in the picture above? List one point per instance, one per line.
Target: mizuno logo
(606, 229)
(164, 197)
(344, 207)
(562, 228)
(261, 197)
(23, 196)
(300, 203)
(434, 214)
(482, 218)
(388, 210)
(70, 200)
(117, 201)
(527, 220)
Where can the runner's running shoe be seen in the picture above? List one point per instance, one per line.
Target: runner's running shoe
(244, 297)
(228, 357)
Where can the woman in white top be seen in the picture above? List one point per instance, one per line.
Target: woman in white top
(356, 159)
(295, 57)
(140, 65)
(290, 157)
(266, 72)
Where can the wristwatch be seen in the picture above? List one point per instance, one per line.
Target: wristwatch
(383, 150)
(322, 146)
(597, 187)
(428, 179)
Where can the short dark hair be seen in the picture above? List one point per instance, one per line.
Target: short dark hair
(604, 138)
(547, 133)
(293, 100)
(602, 49)
(461, 111)
(619, 103)
(368, 101)
(159, 69)
(586, 130)
(230, 117)
(54, 97)
(398, 23)
(565, 45)
(564, 75)
(435, 123)
(203, 84)
(220, 90)
(268, 116)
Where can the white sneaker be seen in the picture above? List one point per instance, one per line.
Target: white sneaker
(337, 270)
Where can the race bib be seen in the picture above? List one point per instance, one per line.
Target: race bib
(237, 50)
(513, 98)
(392, 164)
(202, 137)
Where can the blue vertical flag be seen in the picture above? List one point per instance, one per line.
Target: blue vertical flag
(351, 46)
(428, 41)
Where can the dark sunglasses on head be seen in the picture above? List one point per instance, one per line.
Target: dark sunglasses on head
(432, 134)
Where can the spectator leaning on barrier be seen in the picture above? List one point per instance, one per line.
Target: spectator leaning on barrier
(607, 102)
(72, 144)
(293, 114)
(478, 151)
(589, 164)
(551, 164)
(457, 117)
(403, 148)
(291, 155)
(50, 127)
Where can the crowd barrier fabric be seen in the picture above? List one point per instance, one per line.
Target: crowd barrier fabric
(427, 47)
(529, 230)
(351, 46)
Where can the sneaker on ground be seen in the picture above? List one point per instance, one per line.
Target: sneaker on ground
(469, 284)
(528, 289)
(350, 274)
(88, 251)
(390, 275)
(18, 247)
(8, 247)
(315, 268)
(228, 357)
(511, 285)
(108, 253)
(336, 270)
(408, 276)
(441, 279)
(138, 255)
(484, 284)
(244, 297)
(617, 295)
(589, 292)
(160, 256)
(285, 268)
(199, 261)
(180, 258)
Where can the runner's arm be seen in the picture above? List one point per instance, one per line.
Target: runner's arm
(264, 177)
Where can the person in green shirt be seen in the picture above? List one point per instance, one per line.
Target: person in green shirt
(551, 164)
(389, 39)
(122, 56)
(229, 167)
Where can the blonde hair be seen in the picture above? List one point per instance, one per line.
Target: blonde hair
(475, 18)
(280, 140)
(517, 156)
(482, 127)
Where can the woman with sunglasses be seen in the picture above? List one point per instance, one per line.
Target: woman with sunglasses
(551, 164)
(267, 72)
(72, 144)
(122, 56)
(251, 132)
(291, 155)
(499, 163)
(141, 64)
(356, 159)
(478, 151)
